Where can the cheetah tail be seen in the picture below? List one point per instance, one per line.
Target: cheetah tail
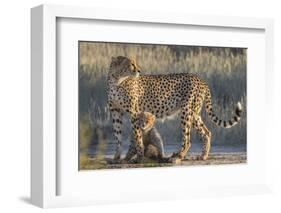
(222, 123)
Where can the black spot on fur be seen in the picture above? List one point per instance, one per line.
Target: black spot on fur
(238, 112)
(216, 119)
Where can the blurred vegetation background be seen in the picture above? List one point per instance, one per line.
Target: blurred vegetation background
(224, 69)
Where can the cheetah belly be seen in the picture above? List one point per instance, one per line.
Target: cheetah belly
(161, 110)
(171, 115)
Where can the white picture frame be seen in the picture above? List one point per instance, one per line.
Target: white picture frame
(44, 154)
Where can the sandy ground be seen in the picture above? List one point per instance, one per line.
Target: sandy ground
(190, 160)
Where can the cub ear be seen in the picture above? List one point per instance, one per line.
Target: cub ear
(150, 118)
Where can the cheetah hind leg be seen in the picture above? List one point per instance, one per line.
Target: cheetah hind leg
(186, 130)
(206, 137)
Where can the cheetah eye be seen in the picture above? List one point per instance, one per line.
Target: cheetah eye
(132, 67)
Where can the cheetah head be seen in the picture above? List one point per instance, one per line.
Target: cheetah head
(122, 67)
(146, 121)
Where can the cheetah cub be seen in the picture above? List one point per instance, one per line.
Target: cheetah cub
(152, 141)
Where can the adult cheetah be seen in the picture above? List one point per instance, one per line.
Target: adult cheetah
(161, 95)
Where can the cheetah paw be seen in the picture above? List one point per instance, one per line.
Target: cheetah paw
(202, 157)
(174, 160)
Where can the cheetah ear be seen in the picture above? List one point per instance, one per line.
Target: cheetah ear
(133, 59)
(113, 59)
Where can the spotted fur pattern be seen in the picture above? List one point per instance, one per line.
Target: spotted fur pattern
(161, 95)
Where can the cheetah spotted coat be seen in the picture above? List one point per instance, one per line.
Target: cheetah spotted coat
(161, 95)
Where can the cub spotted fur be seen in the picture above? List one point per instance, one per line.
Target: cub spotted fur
(152, 141)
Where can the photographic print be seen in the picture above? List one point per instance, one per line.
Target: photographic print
(155, 105)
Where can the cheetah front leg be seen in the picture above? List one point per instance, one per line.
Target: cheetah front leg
(117, 131)
(137, 137)
(131, 153)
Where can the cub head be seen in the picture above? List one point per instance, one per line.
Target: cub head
(146, 121)
(122, 67)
